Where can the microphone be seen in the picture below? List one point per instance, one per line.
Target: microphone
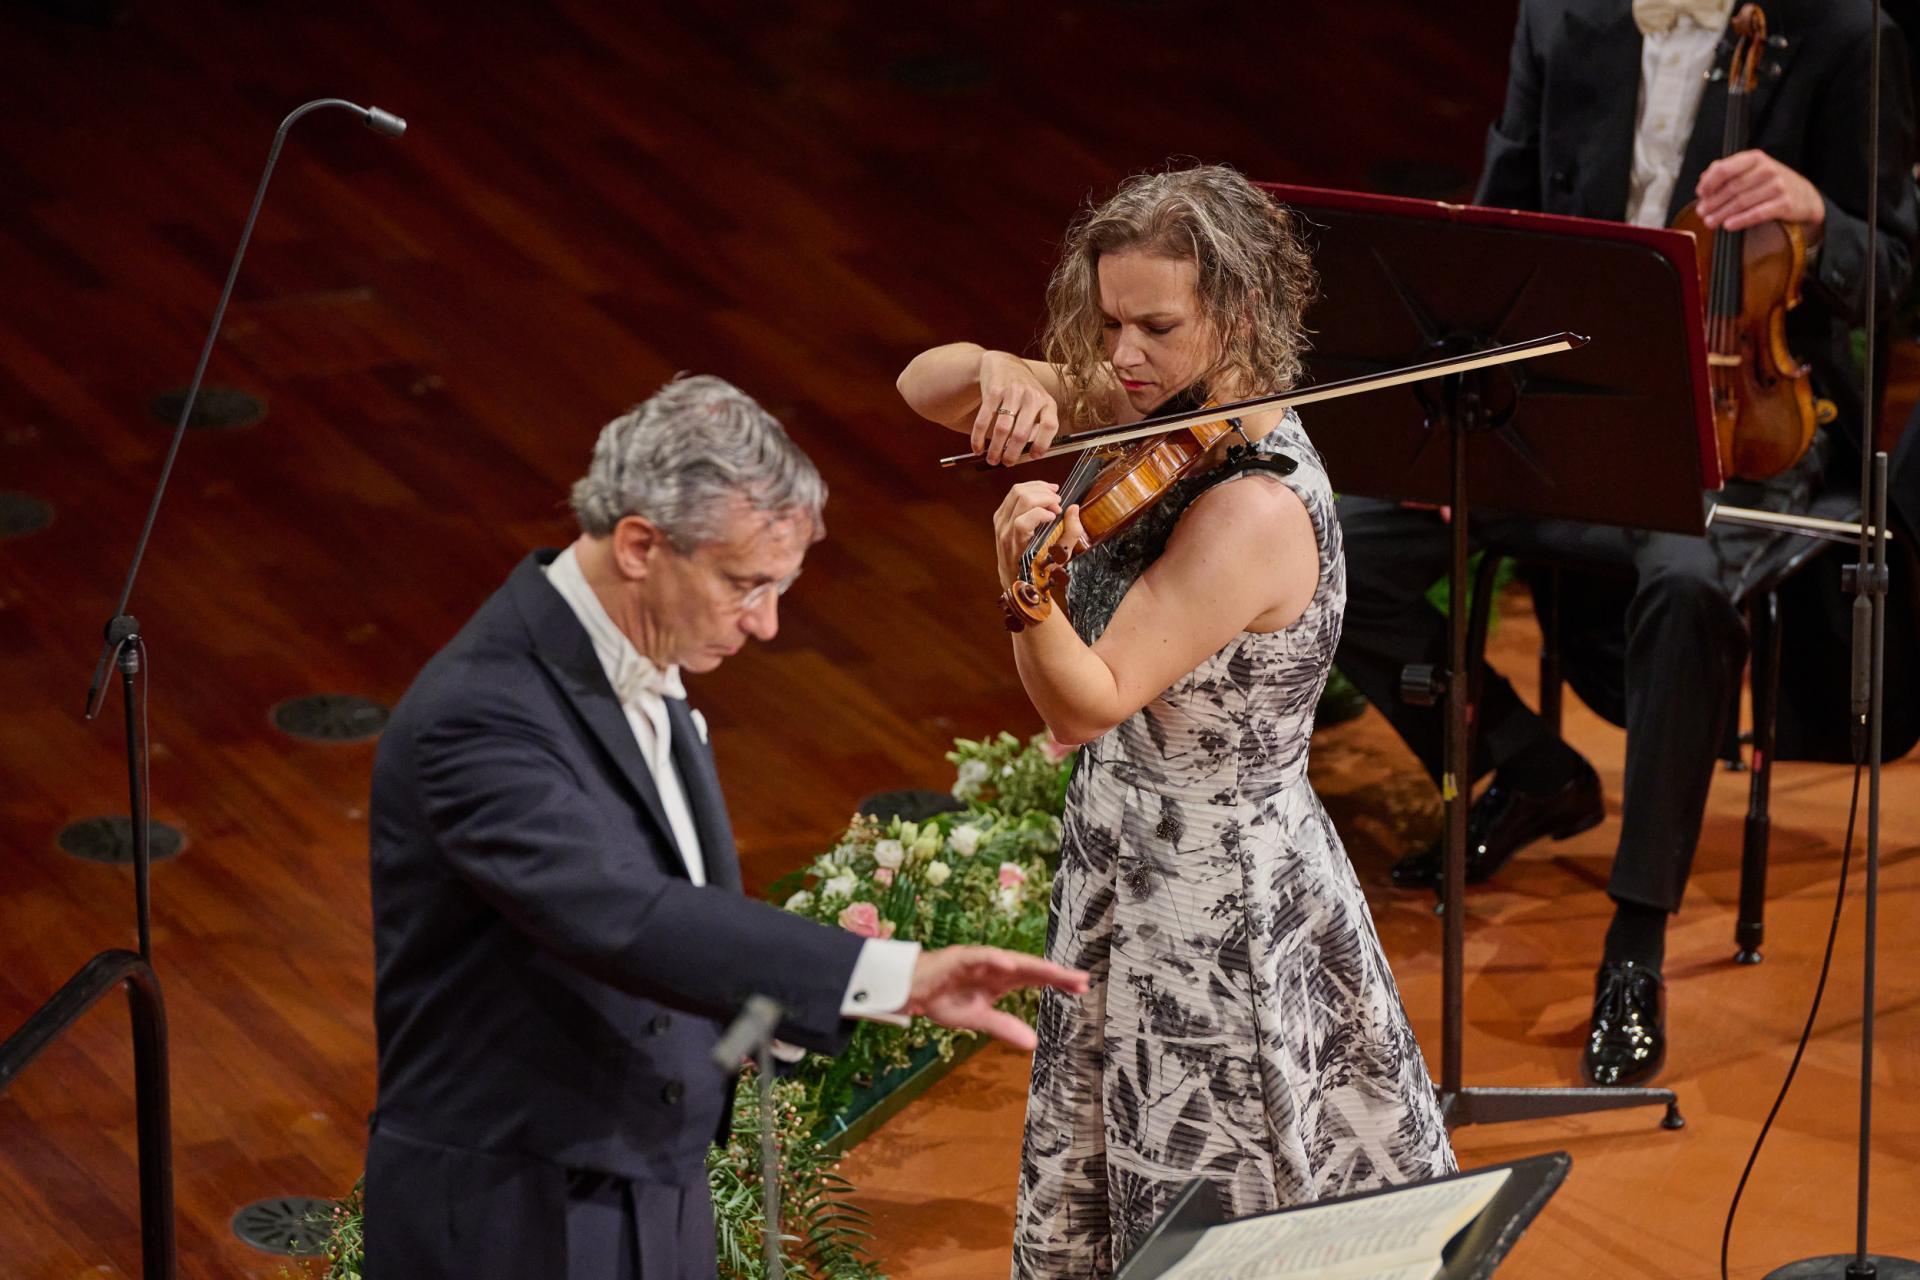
(385, 122)
(750, 1031)
(121, 627)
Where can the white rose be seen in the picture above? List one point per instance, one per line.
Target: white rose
(972, 774)
(964, 839)
(889, 854)
(800, 901)
(843, 884)
(938, 873)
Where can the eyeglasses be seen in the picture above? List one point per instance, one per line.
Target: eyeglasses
(756, 596)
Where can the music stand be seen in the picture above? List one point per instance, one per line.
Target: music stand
(1473, 1254)
(1618, 432)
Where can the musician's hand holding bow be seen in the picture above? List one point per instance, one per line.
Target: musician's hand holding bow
(1750, 187)
(1017, 414)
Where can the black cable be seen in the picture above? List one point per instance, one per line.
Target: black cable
(1806, 1032)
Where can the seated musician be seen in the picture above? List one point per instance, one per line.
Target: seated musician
(1616, 110)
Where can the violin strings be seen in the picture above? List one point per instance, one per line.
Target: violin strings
(1727, 286)
(1085, 467)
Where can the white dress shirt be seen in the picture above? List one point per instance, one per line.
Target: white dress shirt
(883, 974)
(643, 690)
(1676, 53)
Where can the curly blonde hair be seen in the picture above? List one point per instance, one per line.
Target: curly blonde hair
(1256, 280)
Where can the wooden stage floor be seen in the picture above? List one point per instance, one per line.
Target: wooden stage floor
(592, 196)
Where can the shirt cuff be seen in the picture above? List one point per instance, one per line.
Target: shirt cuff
(882, 980)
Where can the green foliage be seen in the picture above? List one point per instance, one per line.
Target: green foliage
(344, 1247)
(823, 1233)
(1437, 594)
(1011, 777)
(978, 877)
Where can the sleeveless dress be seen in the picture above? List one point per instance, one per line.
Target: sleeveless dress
(1242, 1025)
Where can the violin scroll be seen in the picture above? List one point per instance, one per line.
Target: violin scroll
(1024, 605)
(1030, 599)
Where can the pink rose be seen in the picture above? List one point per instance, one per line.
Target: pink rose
(1011, 876)
(863, 918)
(883, 875)
(1055, 750)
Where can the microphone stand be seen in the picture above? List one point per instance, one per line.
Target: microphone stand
(1867, 580)
(751, 1031)
(124, 645)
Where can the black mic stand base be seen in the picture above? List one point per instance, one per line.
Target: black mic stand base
(1846, 1266)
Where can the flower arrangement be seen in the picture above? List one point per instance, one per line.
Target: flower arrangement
(978, 876)
(1005, 775)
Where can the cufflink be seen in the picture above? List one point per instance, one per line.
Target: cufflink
(859, 997)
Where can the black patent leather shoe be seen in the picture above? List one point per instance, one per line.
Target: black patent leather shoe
(1505, 820)
(1627, 1041)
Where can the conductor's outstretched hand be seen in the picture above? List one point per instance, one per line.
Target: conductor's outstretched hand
(957, 987)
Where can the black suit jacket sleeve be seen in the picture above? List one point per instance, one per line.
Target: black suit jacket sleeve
(1511, 178)
(515, 822)
(1839, 274)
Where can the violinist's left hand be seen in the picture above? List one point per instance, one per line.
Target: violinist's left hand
(1027, 507)
(1750, 187)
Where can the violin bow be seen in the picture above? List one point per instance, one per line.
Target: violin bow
(1440, 368)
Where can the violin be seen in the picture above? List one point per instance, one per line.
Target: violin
(1764, 411)
(1115, 486)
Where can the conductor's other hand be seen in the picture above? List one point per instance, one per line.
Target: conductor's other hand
(958, 986)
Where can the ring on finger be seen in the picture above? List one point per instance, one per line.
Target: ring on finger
(1003, 409)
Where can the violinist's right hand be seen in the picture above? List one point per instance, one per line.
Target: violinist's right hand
(1018, 415)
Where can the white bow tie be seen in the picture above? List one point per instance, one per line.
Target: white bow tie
(638, 676)
(1655, 17)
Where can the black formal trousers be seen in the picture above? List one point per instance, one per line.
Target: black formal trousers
(1652, 638)
(625, 1229)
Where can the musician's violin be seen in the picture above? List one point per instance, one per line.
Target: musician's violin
(1114, 486)
(1764, 411)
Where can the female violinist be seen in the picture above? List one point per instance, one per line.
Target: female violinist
(1242, 1024)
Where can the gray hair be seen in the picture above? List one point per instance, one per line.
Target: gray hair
(682, 457)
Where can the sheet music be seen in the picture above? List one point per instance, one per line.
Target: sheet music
(1398, 1236)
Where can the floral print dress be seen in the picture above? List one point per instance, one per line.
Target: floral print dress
(1242, 1025)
